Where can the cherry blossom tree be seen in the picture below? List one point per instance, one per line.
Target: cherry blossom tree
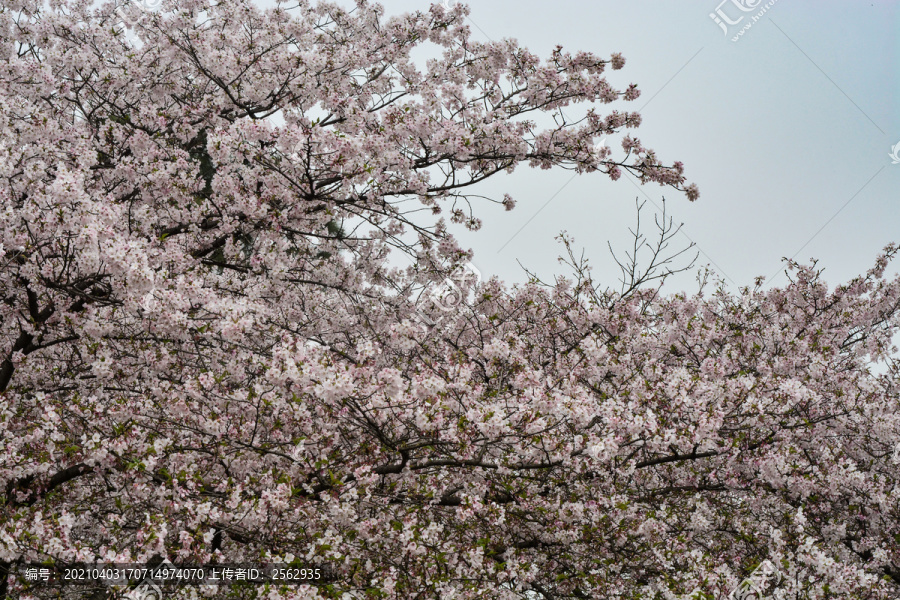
(209, 355)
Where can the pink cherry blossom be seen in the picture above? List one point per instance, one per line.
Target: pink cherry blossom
(209, 353)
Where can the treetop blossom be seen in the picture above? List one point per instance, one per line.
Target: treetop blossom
(209, 355)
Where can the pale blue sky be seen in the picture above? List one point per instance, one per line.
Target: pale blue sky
(779, 129)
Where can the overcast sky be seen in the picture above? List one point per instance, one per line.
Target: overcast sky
(787, 131)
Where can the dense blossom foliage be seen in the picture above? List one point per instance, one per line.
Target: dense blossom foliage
(209, 355)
